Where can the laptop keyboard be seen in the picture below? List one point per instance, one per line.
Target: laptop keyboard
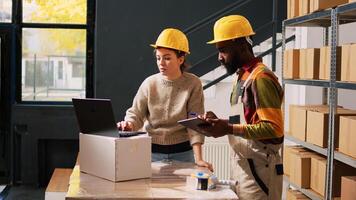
(130, 133)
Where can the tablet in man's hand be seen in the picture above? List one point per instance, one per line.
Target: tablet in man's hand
(196, 124)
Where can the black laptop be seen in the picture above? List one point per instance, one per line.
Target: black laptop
(96, 116)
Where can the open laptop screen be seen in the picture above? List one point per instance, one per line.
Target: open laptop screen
(95, 116)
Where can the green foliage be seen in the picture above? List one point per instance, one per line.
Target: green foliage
(65, 41)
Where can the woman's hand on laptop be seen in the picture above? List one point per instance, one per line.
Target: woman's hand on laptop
(125, 126)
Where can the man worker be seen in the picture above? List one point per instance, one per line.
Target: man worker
(255, 126)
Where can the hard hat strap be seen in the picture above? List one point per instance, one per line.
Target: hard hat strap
(248, 39)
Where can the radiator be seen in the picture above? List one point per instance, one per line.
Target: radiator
(218, 154)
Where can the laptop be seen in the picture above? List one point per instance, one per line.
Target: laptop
(96, 116)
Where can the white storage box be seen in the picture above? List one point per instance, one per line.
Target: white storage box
(115, 159)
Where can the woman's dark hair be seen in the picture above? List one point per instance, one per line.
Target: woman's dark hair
(179, 54)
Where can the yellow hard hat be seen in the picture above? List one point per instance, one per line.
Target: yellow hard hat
(231, 27)
(173, 39)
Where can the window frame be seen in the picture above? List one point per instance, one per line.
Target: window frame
(90, 30)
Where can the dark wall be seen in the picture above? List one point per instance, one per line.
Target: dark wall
(125, 30)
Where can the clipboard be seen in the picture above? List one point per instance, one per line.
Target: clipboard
(195, 124)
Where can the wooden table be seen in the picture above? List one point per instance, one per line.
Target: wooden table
(168, 181)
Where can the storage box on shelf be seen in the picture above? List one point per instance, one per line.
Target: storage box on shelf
(298, 119)
(291, 63)
(318, 123)
(316, 5)
(348, 62)
(318, 171)
(348, 185)
(297, 8)
(324, 70)
(347, 136)
(303, 7)
(287, 158)
(300, 167)
(292, 8)
(309, 63)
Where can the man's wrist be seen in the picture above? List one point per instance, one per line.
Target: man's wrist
(237, 129)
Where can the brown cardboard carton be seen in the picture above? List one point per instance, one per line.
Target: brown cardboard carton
(348, 62)
(309, 63)
(294, 8)
(318, 122)
(298, 119)
(289, 9)
(316, 5)
(348, 188)
(347, 135)
(324, 70)
(291, 64)
(295, 195)
(287, 160)
(303, 7)
(300, 167)
(318, 172)
(302, 63)
(115, 159)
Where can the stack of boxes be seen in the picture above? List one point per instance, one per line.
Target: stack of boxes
(296, 8)
(309, 123)
(314, 63)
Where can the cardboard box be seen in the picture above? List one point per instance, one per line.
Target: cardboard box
(325, 57)
(309, 63)
(348, 62)
(318, 124)
(303, 7)
(318, 173)
(291, 64)
(316, 5)
(115, 159)
(295, 195)
(289, 9)
(293, 8)
(347, 135)
(298, 119)
(348, 187)
(287, 160)
(300, 167)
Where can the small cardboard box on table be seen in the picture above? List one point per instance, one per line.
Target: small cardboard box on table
(115, 158)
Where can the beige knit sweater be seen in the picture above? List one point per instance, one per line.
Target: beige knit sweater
(161, 103)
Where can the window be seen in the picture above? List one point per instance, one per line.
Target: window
(5, 10)
(60, 70)
(40, 49)
(55, 11)
(54, 50)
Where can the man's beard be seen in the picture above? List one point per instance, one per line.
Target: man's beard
(231, 67)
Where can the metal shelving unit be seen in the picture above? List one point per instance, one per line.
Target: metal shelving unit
(338, 156)
(332, 17)
(309, 193)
